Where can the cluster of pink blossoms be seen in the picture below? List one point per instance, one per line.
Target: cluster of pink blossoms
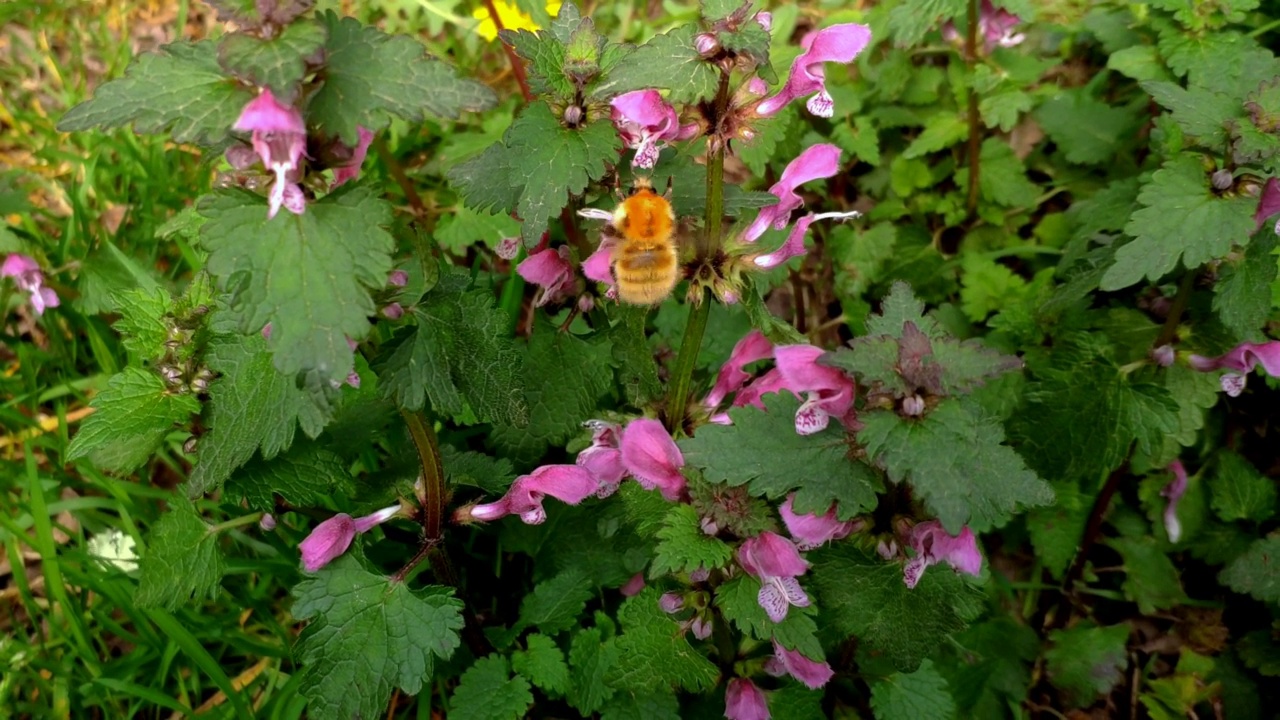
(279, 137)
(827, 392)
(26, 274)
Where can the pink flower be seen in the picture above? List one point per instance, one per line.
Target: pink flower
(397, 278)
(507, 248)
(603, 459)
(811, 531)
(671, 602)
(552, 272)
(393, 311)
(701, 627)
(598, 267)
(26, 274)
(751, 348)
(1174, 492)
(934, 545)
(646, 122)
(351, 170)
(817, 162)
(567, 483)
(794, 245)
(744, 701)
(652, 458)
(633, 586)
(332, 537)
(1242, 359)
(838, 43)
(830, 392)
(794, 663)
(1163, 355)
(995, 27)
(1268, 204)
(280, 139)
(776, 563)
(267, 522)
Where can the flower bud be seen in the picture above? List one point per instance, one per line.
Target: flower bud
(707, 44)
(508, 248)
(573, 116)
(1222, 179)
(913, 406)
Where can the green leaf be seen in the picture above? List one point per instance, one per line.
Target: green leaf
(1086, 661)
(143, 321)
(1180, 219)
(251, 407)
(178, 88)
(131, 418)
(394, 632)
(183, 560)
(941, 131)
(555, 605)
(1201, 112)
(1240, 492)
(1242, 295)
(654, 705)
(278, 63)
(581, 373)
(591, 658)
(1085, 130)
(763, 451)
(486, 691)
(1082, 436)
(308, 275)
(304, 477)
(1139, 62)
(655, 652)
(1260, 651)
(909, 22)
(637, 370)
(683, 546)
(857, 138)
(669, 61)
(463, 467)
(968, 476)
(1002, 110)
(905, 696)
(1056, 530)
(369, 75)
(1257, 571)
(1002, 178)
(738, 599)
(541, 163)
(542, 663)
(464, 228)
(459, 356)
(866, 597)
(1150, 580)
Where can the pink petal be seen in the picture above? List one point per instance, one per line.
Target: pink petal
(1174, 492)
(652, 457)
(551, 270)
(773, 599)
(934, 544)
(671, 602)
(267, 115)
(369, 522)
(351, 171)
(753, 393)
(811, 531)
(397, 278)
(598, 267)
(603, 459)
(751, 348)
(701, 627)
(838, 43)
(811, 673)
(914, 569)
(43, 298)
(16, 265)
(793, 247)
(1268, 203)
(327, 541)
(1232, 384)
(633, 586)
(567, 483)
(744, 701)
(771, 555)
(817, 162)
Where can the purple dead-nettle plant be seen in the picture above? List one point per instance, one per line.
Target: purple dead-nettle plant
(647, 123)
(807, 78)
(996, 26)
(932, 544)
(567, 483)
(280, 140)
(1239, 362)
(776, 563)
(331, 538)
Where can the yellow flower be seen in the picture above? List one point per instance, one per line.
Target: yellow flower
(512, 17)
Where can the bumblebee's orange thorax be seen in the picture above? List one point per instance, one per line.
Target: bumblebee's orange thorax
(645, 217)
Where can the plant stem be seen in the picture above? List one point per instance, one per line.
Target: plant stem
(517, 67)
(975, 125)
(699, 311)
(249, 519)
(1179, 306)
(397, 174)
(424, 440)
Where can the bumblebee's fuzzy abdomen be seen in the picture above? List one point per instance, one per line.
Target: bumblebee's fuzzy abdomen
(645, 274)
